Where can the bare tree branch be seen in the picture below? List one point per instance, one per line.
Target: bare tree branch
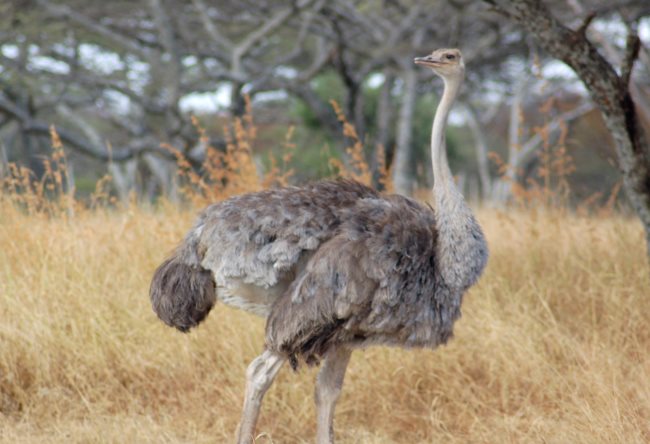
(269, 26)
(632, 47)
(218, 38)
(62, 11)
(32, 126)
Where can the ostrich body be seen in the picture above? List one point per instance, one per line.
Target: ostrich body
(333, 266)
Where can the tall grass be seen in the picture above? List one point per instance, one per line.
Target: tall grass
(552, 347)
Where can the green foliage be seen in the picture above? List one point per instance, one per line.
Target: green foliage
(312, 137)
(328, 86)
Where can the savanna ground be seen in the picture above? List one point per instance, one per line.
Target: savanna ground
(552, 346)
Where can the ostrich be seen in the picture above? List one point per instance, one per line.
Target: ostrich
(333, 266)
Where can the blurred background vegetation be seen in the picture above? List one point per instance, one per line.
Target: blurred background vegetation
(121, 80)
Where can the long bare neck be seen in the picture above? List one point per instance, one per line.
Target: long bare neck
(462, 251)
(441, 173)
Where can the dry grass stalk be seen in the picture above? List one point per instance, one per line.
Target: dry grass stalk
(232, 171)
(51, 195)
(356, 167)
(550, 189)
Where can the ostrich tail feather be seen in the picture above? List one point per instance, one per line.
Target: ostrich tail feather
(182, 292)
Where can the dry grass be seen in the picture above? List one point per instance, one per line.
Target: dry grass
(553, 345)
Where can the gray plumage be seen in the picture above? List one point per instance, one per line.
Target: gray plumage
(333, 266)
(254, 245)
(374, 281)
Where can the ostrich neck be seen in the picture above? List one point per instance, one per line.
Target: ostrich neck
(462, 250)
(441, 173)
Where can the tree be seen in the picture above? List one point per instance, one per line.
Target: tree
(608, 89)
(114, 78)
(118, 73)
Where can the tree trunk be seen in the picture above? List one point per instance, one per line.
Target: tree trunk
(384, 112)
(503, 186)
(384, 117)
(3, 160)
(609, 91)
(402, 161)
(480, 144)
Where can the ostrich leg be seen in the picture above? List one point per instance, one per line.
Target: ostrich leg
(259, 377)
(328, 389)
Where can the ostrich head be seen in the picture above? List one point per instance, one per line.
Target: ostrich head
(447, 63)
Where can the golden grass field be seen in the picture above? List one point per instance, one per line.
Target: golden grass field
(553, 345)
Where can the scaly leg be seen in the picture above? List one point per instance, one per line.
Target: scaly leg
(328, 389)
(259, 377)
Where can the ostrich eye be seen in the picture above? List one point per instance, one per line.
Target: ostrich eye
(450, 57)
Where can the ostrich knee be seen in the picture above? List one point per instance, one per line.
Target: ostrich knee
(259, 377)
(328, 389)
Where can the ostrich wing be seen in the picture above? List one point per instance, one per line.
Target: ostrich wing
(374, 282)
(259, 238)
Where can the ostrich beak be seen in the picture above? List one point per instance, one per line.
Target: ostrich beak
(429, 61)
